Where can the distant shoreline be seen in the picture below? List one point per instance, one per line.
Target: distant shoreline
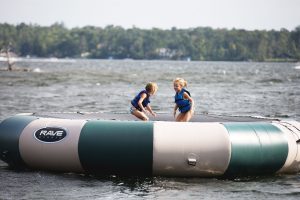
(70, 60)
(114, 42)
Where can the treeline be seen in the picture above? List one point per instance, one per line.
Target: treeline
(115, 42)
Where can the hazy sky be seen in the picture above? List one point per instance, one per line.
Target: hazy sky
(165, 14)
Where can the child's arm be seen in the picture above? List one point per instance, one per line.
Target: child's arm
(150, 110)
(175, 108)
(188, 97)
(140, 103)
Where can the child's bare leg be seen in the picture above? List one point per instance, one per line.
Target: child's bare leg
(179, 117)
(184, 117)
(187, 117)
(140, 115)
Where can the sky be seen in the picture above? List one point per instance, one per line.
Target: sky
(163, 14)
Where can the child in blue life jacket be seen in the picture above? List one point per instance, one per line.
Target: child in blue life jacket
(140, 103)
(183, 101)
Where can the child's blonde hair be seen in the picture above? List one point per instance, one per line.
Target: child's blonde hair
(181, 81)
(151, 87)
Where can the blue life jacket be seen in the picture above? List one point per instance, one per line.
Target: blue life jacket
(184, 105)
(136, 99)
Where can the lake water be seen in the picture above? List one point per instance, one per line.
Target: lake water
(219, 88)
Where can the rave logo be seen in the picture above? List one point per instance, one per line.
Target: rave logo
(50, 134)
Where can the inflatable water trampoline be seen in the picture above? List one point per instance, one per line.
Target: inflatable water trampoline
(117, 144)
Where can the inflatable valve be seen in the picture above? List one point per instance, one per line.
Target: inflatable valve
(192, 161)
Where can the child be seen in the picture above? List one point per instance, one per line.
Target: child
(141, 102)
(183, 101)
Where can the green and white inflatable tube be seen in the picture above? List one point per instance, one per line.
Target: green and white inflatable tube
(155, 148)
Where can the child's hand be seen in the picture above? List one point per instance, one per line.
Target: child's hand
(153, 114)
(192, 109)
